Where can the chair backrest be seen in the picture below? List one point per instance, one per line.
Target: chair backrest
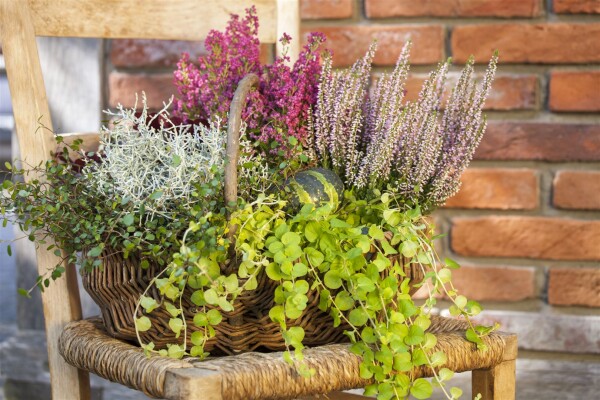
(21, 21)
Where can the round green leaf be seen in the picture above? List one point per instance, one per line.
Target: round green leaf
(344, 301)
(358, 317)
(421, 389)
(333, 280)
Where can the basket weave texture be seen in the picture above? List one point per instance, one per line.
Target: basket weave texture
(118, 285)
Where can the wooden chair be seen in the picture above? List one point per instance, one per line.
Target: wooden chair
(85, 344)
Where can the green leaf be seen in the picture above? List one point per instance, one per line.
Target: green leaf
(451, 263)
(312, 231)
(438, 358)
(200, 319)
(128, 219)
(445, 374)
(407, 308)
(198, 298)
(333, 280)
(421, 389)
(472, 336)
(224, 304)
(214, 317)
(364, 284)
(176, 324)
(358, 317)
(231, 283)
(277, 314)
(402, 362)
(344, 301)
(392, 217)
(176, 351)
(376, 233)
(338, 223)
(315, 257)
(293, 252)
(455, 392)
(299, 270)
(386, 391)
(197, 338)
(156, 195)
(95, 251)
(445, 275)
(354, 253)
(387, 249)
(171, 309)
(365, 372)
(290, 239)
(460, 301)
(295, 335)
(273, 272)
(142, 324)
(415, 335)
(211, 297)
(422, 321)
(419, 357)
(251, 283)
(276, 247)
(148, 303)
(409, 248)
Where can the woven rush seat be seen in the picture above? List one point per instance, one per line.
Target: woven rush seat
(86, 345)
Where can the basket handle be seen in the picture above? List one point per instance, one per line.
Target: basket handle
(233, 141)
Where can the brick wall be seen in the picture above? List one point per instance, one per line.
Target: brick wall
(526, 223)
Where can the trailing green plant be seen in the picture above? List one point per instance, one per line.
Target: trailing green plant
(354, 257)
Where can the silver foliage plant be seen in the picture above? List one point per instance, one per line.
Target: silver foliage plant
(378, 141)
(158, 166)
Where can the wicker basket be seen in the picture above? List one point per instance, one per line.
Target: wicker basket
(117, 287)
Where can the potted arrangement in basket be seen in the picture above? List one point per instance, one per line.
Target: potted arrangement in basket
(287, 209)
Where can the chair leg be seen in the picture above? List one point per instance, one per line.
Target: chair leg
(496, 383)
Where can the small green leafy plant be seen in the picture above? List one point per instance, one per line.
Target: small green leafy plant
(354, 260)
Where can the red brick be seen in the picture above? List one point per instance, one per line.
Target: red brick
(527, 237)
(452, 8)
(350, 42)
(509, 92)
(147, 53)
(575, 91)
(553, 43)
(576, 6)
(326, 9)
(540, 141)
(134, 53)
(574, 287)
(503, 189)
(485, 283)
(577, 190)
(123, 88)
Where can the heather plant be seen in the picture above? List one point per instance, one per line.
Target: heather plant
(414, 149)
(277, 113)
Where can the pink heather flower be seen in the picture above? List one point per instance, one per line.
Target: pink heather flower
(281, 107)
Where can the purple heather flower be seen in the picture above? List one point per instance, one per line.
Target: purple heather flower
(410, 148)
